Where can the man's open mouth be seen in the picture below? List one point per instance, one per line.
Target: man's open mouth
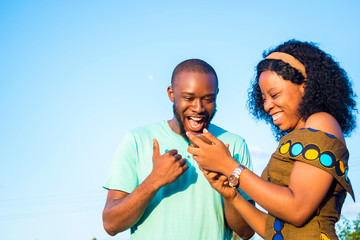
(196, 124)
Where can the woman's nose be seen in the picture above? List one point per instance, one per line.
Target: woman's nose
(268, 105)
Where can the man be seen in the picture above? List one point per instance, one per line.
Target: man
(155, 187)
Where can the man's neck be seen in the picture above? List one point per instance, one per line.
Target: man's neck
(174, 125)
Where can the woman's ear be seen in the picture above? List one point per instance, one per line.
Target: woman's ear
(302, 87)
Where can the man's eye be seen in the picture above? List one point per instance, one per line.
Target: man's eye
(209, 100)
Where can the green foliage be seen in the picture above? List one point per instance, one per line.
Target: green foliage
(347, 230)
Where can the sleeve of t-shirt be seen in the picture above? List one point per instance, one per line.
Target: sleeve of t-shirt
(122, 174)
(242, 155)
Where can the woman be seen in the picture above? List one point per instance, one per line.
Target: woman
(307, 98)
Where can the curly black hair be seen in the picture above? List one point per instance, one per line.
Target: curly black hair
(328, 88)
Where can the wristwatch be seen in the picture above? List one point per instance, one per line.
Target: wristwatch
(234, 177)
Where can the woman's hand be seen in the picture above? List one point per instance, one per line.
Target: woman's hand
(220, 183)
(213, 157)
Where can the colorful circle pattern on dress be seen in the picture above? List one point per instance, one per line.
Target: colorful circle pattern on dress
(278, 226)
(346, 175)
(312, 152)
(296, 149)
(323, 236)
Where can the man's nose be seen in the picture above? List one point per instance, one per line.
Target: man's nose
(197, 106)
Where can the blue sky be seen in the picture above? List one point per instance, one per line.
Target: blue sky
(76, 75)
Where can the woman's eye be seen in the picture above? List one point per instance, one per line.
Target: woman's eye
(274, 95)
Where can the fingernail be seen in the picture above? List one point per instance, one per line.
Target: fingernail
(205, 130)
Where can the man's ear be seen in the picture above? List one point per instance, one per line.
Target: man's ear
(171, 93)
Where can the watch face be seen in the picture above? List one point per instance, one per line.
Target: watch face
(233, 181)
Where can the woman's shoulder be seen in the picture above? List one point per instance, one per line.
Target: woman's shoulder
(325, 122)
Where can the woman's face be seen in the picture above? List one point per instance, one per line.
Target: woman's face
(281, 100)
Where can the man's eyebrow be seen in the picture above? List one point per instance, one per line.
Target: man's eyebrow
(188, 94)
(193, 94)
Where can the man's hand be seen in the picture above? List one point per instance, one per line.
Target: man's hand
(220, 183)
(167, 168)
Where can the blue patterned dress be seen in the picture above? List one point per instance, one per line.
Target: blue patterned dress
(324, 151)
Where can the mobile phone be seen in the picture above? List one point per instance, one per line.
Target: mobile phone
(203, 138)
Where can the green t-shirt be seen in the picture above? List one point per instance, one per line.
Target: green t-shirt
(187, 209)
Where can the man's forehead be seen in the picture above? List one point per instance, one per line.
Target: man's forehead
(190, 77)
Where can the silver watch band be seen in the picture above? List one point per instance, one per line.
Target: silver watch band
(238, 170)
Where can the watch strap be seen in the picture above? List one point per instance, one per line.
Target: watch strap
(235, 176)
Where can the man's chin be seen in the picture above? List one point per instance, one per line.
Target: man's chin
(195, 132)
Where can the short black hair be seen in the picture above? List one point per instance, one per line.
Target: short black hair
(328, 88)
(193, 65)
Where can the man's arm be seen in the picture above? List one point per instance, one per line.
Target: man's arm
(237, 208)
(233, 218)
(232, 214)
(123, 210)
(236, 221)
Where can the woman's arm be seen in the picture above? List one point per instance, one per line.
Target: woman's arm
(296, 203)
(308, 184)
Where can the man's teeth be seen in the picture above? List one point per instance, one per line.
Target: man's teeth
(196, 118)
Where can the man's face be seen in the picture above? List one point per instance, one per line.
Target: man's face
(194, 98)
